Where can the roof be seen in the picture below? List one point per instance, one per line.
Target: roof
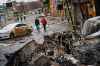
(10, 26)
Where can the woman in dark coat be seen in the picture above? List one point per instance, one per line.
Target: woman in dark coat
(37, 24)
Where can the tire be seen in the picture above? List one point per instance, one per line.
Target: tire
(29, 32)
(12, 35)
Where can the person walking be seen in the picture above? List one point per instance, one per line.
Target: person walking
(24, 17)
(21, 18)
(37, 24)
(17, 19)
(0, 22)
(44, 22)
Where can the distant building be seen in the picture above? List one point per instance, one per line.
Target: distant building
(52, 6)
(53, 9)
(29, 6)
(87, 7)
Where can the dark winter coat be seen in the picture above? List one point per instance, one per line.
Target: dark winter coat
(37, 22)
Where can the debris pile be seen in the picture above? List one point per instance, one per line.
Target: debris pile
(55, 47)
(88, 52)
(59, 39)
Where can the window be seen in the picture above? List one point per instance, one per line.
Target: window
(19, 25)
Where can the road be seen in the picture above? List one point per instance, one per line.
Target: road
(38, 37)
(54, 25)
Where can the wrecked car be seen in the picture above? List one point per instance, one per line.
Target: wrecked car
(91, 27)
(89, 47)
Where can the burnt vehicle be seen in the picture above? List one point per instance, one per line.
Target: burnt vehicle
(91, 27)
(88, 48)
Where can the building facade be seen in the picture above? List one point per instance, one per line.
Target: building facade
(87, 7)
(53, 7)
(56, 7)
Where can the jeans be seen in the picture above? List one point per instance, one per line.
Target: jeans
(44, 26)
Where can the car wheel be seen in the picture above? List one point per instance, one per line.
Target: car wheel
(29, 32)
(12, 35)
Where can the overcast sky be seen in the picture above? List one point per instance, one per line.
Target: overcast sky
(4, 1)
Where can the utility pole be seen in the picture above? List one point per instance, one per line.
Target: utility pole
(70, 18)
(72, 23)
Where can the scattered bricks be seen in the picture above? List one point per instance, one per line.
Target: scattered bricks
(58, 42)
(42, 61)
(57, 39)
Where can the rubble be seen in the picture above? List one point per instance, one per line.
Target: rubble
(43, 61)
(58, 39)
(58, 48)
(54, 46)
(3, 60)
(88, 51)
